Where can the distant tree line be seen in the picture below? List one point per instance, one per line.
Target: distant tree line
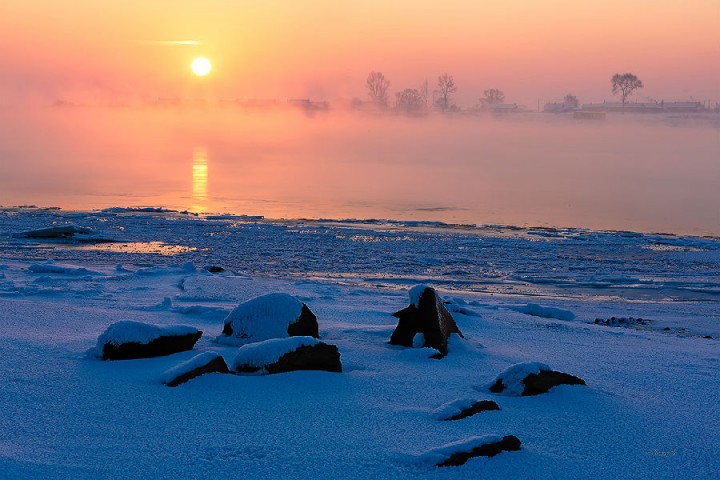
(416, 101)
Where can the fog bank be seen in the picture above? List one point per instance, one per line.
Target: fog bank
(628, 172)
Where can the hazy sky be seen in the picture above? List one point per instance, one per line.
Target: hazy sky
(90, 50)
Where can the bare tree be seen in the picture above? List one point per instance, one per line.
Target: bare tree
(446, 87)
(625, 84)
(410, 101)
(492, 96)
(377, 86)
(571, 100)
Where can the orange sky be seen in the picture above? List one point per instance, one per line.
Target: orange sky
(86, 50)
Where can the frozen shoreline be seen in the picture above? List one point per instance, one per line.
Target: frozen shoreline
(70, 415)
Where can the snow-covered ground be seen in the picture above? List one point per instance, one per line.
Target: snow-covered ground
(649, 410)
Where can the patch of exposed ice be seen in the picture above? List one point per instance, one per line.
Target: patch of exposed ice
(544, 312)
(52, 267)
(187, 267)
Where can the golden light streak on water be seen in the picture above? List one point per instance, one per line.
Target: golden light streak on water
(199, 179)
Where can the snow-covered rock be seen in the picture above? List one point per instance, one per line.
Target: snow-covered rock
(531, 378)
(127, 340)
(415, 293)
(276, 315)
(463, 408)
(279, 355)
(457, 453)
(425, 315)
(207, 362)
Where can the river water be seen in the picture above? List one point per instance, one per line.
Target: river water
(638, 173)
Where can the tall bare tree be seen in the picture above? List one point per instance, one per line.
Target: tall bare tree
(446, 87)
(377, 86)
(492, 96)
(625, 85)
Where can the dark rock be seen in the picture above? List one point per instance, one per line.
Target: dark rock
(708, 336)
(426, 315)
(156, 348)
(306, 324)
(275, 315)
(622, 321)
(215, 364)
(536, 383)
(62, 231)
(507, 444)
(130, 340)
(214, 269)
(477, 407)
(317, 356)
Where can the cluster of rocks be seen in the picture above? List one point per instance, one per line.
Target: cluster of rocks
(522, 379)
(621, 321)
(277, 333)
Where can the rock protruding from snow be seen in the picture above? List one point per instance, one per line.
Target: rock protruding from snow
(463, 408)
(208, 362)
(280, 355)
(60, 231)
(128, 340)
(276, 315)
(531, 378)
(427, 315)
(214, 268)
(621, 321)
(457, 453)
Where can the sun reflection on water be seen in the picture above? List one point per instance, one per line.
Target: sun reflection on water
(199, 179)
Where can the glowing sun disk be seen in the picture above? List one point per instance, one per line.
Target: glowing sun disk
(201, 66)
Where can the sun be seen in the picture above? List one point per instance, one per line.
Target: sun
(201, 66)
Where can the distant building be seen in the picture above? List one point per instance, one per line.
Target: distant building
(308, 105)
(644, 107)
(588, 115)
(501, 108)
(367, 106)
(559, 107)
(683, 107)
(617, 107)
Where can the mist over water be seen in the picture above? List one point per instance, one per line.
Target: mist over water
(651, 173)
